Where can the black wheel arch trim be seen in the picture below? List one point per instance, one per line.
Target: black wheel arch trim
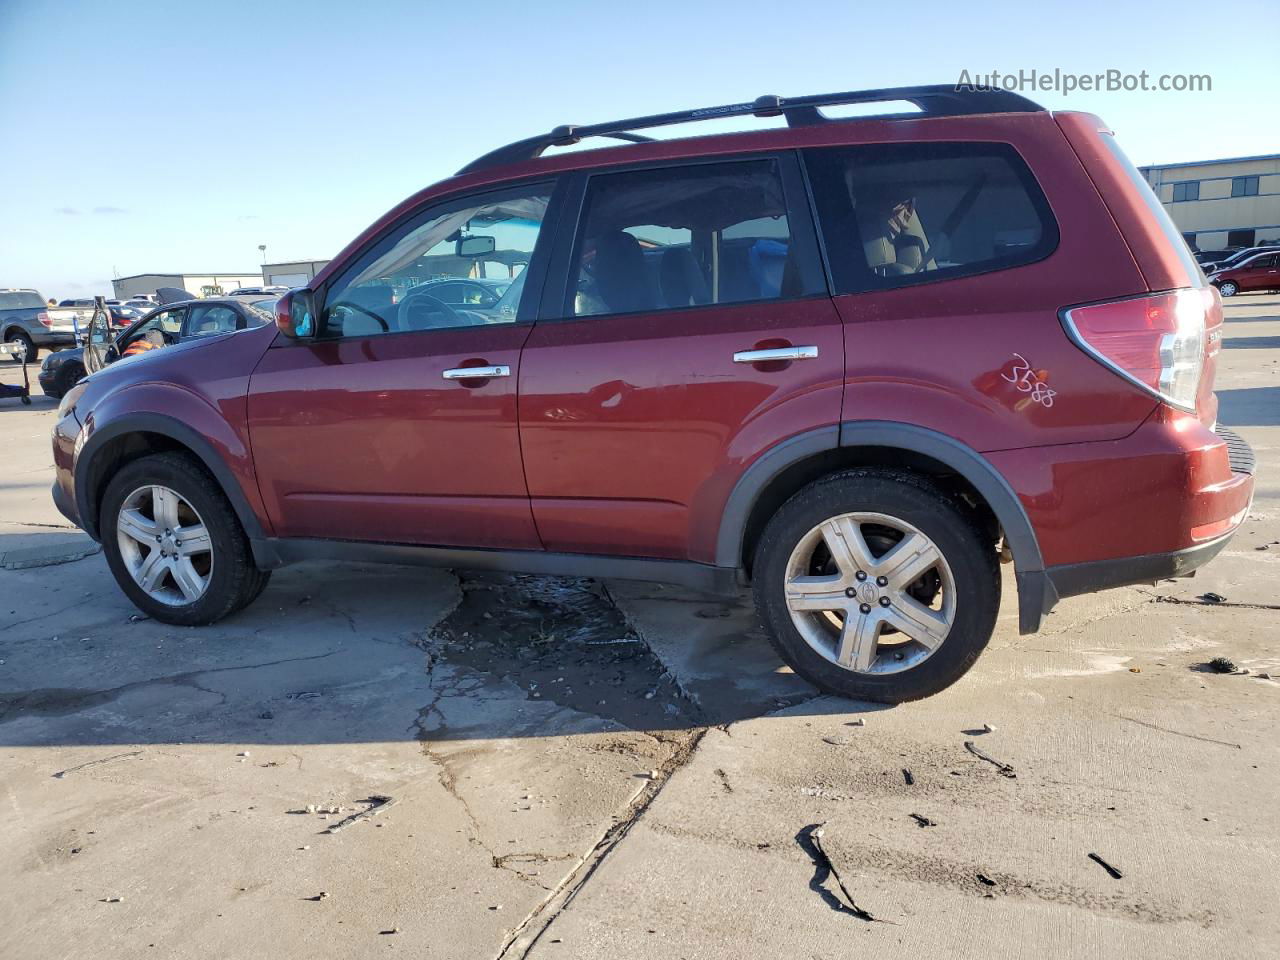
(1036, 593)
(175, 430)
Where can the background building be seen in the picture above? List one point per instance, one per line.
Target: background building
(1221, 203)
(295, 273)
(200, 284)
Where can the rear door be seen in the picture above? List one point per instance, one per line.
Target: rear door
(686, 327)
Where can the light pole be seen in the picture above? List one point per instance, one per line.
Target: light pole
(262, 249)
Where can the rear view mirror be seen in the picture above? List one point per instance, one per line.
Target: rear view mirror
(295, 314)
(477, 245)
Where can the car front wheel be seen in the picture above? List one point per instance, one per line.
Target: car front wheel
(877, 585)
(1228, 288)
(174, 544)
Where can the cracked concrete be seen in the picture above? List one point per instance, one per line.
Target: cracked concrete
(147, 772)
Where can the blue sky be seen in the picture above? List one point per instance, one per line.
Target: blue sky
(145, 137)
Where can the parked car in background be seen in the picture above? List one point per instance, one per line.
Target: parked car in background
(462, 291)
(1212, 256)
(1255, 274)
(163, 327)
(273, 291)
(852, 362)
(1235, 259)
(27, 321)
(123, 314)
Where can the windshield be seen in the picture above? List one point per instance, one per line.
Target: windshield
(20, 299)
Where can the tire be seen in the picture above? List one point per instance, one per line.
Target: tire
(17, 336)
(66, 378)
(961, 589)
(224, 568)
(1228, 288)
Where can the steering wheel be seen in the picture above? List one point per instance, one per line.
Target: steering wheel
(413, 301)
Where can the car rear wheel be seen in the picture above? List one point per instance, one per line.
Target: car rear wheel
(1228, 288)
(20, 338)
(877, 585)
(174, 544)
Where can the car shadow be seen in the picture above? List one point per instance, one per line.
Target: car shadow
(362, 653)
(1251, 407)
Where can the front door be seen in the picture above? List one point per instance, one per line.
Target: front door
(687, 327)
(398, 423)
(1260, 273)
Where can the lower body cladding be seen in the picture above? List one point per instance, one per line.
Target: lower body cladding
(1156, 504)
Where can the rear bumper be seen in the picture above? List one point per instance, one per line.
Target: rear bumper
(1073, 579)
(1156, 504)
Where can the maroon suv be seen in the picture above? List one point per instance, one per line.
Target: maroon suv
(853, 363)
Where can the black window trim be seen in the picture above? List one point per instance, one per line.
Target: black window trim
(1050, 239)
(561, 280)
(538, 259)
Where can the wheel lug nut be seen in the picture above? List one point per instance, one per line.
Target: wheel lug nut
(850, 592)
(884, 601)
(865, 608)
(861, 574)
(882, 581)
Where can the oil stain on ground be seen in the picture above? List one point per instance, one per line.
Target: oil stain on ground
(561, 640)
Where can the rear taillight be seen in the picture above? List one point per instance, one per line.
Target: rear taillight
(44, 318)
(1156, 341)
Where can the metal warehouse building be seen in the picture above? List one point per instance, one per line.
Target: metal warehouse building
(1221, 203)
(201, 284)
(293, 273)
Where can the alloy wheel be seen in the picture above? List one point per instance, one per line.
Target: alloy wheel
(165, 545)
(870, 593)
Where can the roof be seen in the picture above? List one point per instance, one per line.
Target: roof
(194, 273)
(942, 100)
(1205, 163)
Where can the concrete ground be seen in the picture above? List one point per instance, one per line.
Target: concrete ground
(580, 769)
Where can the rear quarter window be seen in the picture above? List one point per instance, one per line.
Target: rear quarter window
(897, 215)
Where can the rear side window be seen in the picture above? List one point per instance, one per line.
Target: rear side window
(20, 300)
(899, 214)
(688, 236)
(209, 320)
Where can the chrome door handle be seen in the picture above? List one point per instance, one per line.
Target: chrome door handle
(477, 373)
(777, 353)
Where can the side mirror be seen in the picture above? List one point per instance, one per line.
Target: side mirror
(479, 245)
(296, 315)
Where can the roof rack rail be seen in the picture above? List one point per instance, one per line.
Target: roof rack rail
(943, 100)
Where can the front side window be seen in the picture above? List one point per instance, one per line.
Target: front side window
(899, 214)
(409, 281)
(682, 237)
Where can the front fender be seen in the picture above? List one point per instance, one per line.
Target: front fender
(189, 420)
